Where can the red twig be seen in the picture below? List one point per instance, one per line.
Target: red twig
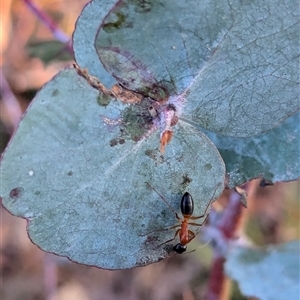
(222, 230)
(216, 279)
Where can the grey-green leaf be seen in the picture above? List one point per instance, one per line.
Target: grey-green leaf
(275, 155)
(270, 273)
(237, 62)
(87, 27)
(77, 169)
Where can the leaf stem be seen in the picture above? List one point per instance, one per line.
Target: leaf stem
(223, 229)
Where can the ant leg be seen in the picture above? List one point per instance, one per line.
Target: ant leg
(170, 206)
(205, 212)
(197, 224)
(209, 204)
(191, 235)
(177, 232)
(162, 229)
(197, 217)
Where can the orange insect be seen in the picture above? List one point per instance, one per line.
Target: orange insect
(187, 209)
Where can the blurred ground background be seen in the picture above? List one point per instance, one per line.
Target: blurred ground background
(30, 56)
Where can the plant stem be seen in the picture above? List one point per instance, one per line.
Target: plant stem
(223, 228)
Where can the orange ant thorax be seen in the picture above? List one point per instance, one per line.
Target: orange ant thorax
(184, 234)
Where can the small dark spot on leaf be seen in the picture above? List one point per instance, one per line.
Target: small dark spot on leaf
(70, 173)
(169, 248)
(171, 107)
(150, 153)
(151, 239)
(137, 120)
(158, 93)
(208, 167)
(121, 141)
(37, 193)
(179, 158)
(124, 83)
(163, 213)
(113, 142)
(186, 180)
(16, 193)
(55, 93)
(120, 22)
(142, 6)
(103, 100)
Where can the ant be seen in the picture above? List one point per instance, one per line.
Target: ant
(187, 209)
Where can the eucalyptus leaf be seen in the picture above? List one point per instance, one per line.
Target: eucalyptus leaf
(79, 165)
(275, 155)
(270, 273)
(236, 62)
(87, 27)
(77, 169)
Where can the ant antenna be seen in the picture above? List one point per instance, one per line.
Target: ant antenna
(170, 206)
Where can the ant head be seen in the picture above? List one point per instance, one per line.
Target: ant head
(179, 248)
